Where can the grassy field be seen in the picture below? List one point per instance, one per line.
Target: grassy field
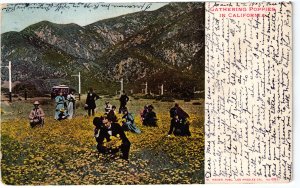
(65, 152)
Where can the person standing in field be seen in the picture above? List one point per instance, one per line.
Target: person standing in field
(91, 102)
(71, 104)
(123, 102)
(60, 105)
(37, 115)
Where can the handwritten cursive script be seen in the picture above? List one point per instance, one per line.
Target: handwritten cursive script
(248, 94)
(67, 6)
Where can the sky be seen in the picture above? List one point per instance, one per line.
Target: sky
(16, 17)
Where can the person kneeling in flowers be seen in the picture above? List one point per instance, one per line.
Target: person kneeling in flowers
(37, 115)
(111, 137)
(62, 114)
(128, 122)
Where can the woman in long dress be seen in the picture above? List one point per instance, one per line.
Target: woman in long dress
(71, 105)
(60, 106)
(128, 122)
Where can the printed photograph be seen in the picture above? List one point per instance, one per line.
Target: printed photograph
(102, 93)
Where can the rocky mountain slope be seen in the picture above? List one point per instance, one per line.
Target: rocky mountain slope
(165, 46)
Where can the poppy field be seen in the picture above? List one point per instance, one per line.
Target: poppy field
(64, 152)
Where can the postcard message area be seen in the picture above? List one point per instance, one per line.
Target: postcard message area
(248, 116)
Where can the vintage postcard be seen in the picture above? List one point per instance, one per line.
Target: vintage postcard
(102, 93)
(146, 93)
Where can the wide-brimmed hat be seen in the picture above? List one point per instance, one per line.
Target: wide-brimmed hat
(36, 103)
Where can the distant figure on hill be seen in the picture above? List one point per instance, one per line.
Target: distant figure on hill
(179, 122)
(71, 104)
(60, 104)
(90, 103)
(123, 102)
(113, 134)
(128, 122)
(37, 115)
(149, 116)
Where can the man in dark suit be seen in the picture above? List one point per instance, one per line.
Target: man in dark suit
(90, 103)
(108, 129)
(123, 102)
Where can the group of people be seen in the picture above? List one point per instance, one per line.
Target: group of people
(65, 107)
(107, 126)
(128, 123)
(90, 103)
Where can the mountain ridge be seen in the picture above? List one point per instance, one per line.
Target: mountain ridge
(168, 40)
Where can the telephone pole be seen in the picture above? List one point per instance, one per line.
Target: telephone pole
(146, 88)
(9, 80)
(122, 86)
(79, 84)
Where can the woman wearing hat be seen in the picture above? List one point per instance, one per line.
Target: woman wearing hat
(71, 104)
(60, 105)
(37, 115)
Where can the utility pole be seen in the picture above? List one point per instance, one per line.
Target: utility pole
(146, 88)
(79, 84)
(25, 94)
(9, 80)
(122, 86)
